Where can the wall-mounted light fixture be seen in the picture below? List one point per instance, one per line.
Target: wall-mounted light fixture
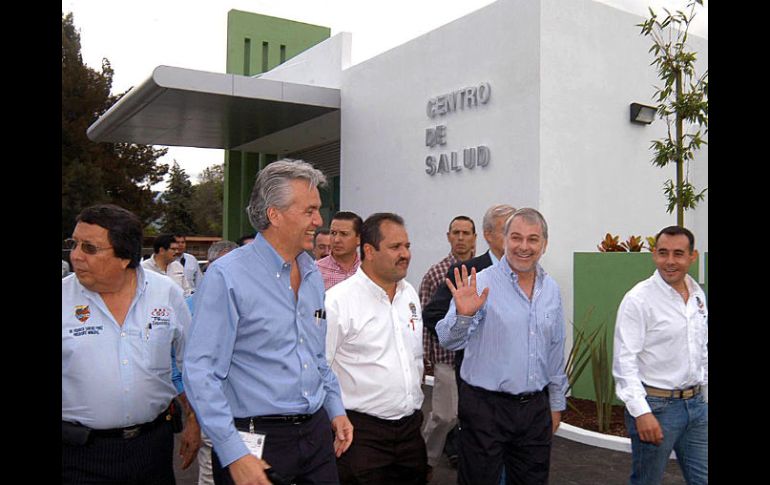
(642, 114)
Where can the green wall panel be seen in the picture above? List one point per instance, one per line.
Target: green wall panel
(600, 282)
(255, 44)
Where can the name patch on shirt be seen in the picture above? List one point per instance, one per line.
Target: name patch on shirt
(89, 330)
(160, 316)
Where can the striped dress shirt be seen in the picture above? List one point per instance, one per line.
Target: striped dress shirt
(512, 344)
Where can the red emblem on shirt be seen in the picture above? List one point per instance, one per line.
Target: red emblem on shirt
(82, 313)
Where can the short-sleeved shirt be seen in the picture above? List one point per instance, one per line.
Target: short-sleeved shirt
(117, 376)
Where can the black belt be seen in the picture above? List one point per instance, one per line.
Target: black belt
(387, 422)
(243, 423)
(126, 433)
(521, 398)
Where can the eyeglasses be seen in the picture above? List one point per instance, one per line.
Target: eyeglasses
(86, 247)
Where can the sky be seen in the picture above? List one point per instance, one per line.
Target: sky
(139, 35)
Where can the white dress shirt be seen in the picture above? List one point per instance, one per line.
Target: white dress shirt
(192, 270)
(375, 346)
(660, 341)
(174, 270)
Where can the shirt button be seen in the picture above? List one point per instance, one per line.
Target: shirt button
(122, 334)
(302, 341)
(305, 393)
(125, 361)
(305, 366)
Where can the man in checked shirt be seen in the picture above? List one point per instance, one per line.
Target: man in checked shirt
(443, 415)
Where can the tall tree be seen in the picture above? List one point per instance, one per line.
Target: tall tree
(207, 201)
(682, 102)
(177, 202)
(92, 173)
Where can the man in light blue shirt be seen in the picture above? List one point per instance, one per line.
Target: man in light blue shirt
(119, 324)
(512, 377)
(255, 365)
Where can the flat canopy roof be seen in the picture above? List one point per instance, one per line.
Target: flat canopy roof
(185, 107)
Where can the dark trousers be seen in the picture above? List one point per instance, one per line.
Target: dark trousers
(384, 452)
(500, 430)
(144, 460)
(302, 453)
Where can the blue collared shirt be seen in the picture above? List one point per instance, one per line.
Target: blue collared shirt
(512, 344)
(253, 348)
(117, 376)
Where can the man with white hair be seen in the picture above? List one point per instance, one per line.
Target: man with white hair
(256, 370)
(513, 384)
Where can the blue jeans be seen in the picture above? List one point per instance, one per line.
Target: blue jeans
(684, 423)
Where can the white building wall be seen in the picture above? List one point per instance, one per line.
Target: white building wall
(321, 65)
(557, 124)
(384, 121)
(596, 176)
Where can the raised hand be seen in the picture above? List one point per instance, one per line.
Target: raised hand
(467, 299)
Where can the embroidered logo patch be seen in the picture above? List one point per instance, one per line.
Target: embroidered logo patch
(413, 308)
(82, 313)
(160, 316)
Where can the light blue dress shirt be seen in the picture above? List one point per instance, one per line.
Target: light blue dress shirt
(253, 348)
(117, 376)
(511, 344)
(176, 374)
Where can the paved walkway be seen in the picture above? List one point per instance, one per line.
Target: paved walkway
(572, 463)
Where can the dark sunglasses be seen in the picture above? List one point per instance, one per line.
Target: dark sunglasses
(86, 247)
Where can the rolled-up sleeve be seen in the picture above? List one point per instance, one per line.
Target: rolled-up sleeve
(557, 386)
(454, 330)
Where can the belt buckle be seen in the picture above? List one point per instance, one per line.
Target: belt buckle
(129, 433)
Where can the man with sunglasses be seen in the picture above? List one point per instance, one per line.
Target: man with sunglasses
(119, 324)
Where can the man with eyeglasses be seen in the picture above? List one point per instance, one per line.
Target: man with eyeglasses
(119, 324)
(163, 261)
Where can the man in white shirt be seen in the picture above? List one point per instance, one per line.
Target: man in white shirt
(162, 261)
(660, 364)
(192, 269)
(374, 346)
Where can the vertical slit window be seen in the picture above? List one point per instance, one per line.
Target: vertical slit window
(246, 57)
(264, 56)
(283, 53)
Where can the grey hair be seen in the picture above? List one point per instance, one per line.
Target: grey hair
(495, 212)
(530, 215)
(272, 189)
(219, 249)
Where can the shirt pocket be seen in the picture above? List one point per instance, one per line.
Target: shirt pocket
(158, 340)
(545, 325)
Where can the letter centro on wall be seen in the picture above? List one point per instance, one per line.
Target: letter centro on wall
(459, 100)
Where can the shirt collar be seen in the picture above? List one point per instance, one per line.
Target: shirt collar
(494, 258)
(502, 263)
(335, 263)
(274, 260)
(688, 280)
(375, 289)
(141, 284)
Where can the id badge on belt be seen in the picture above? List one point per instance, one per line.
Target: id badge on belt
(254, 441)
